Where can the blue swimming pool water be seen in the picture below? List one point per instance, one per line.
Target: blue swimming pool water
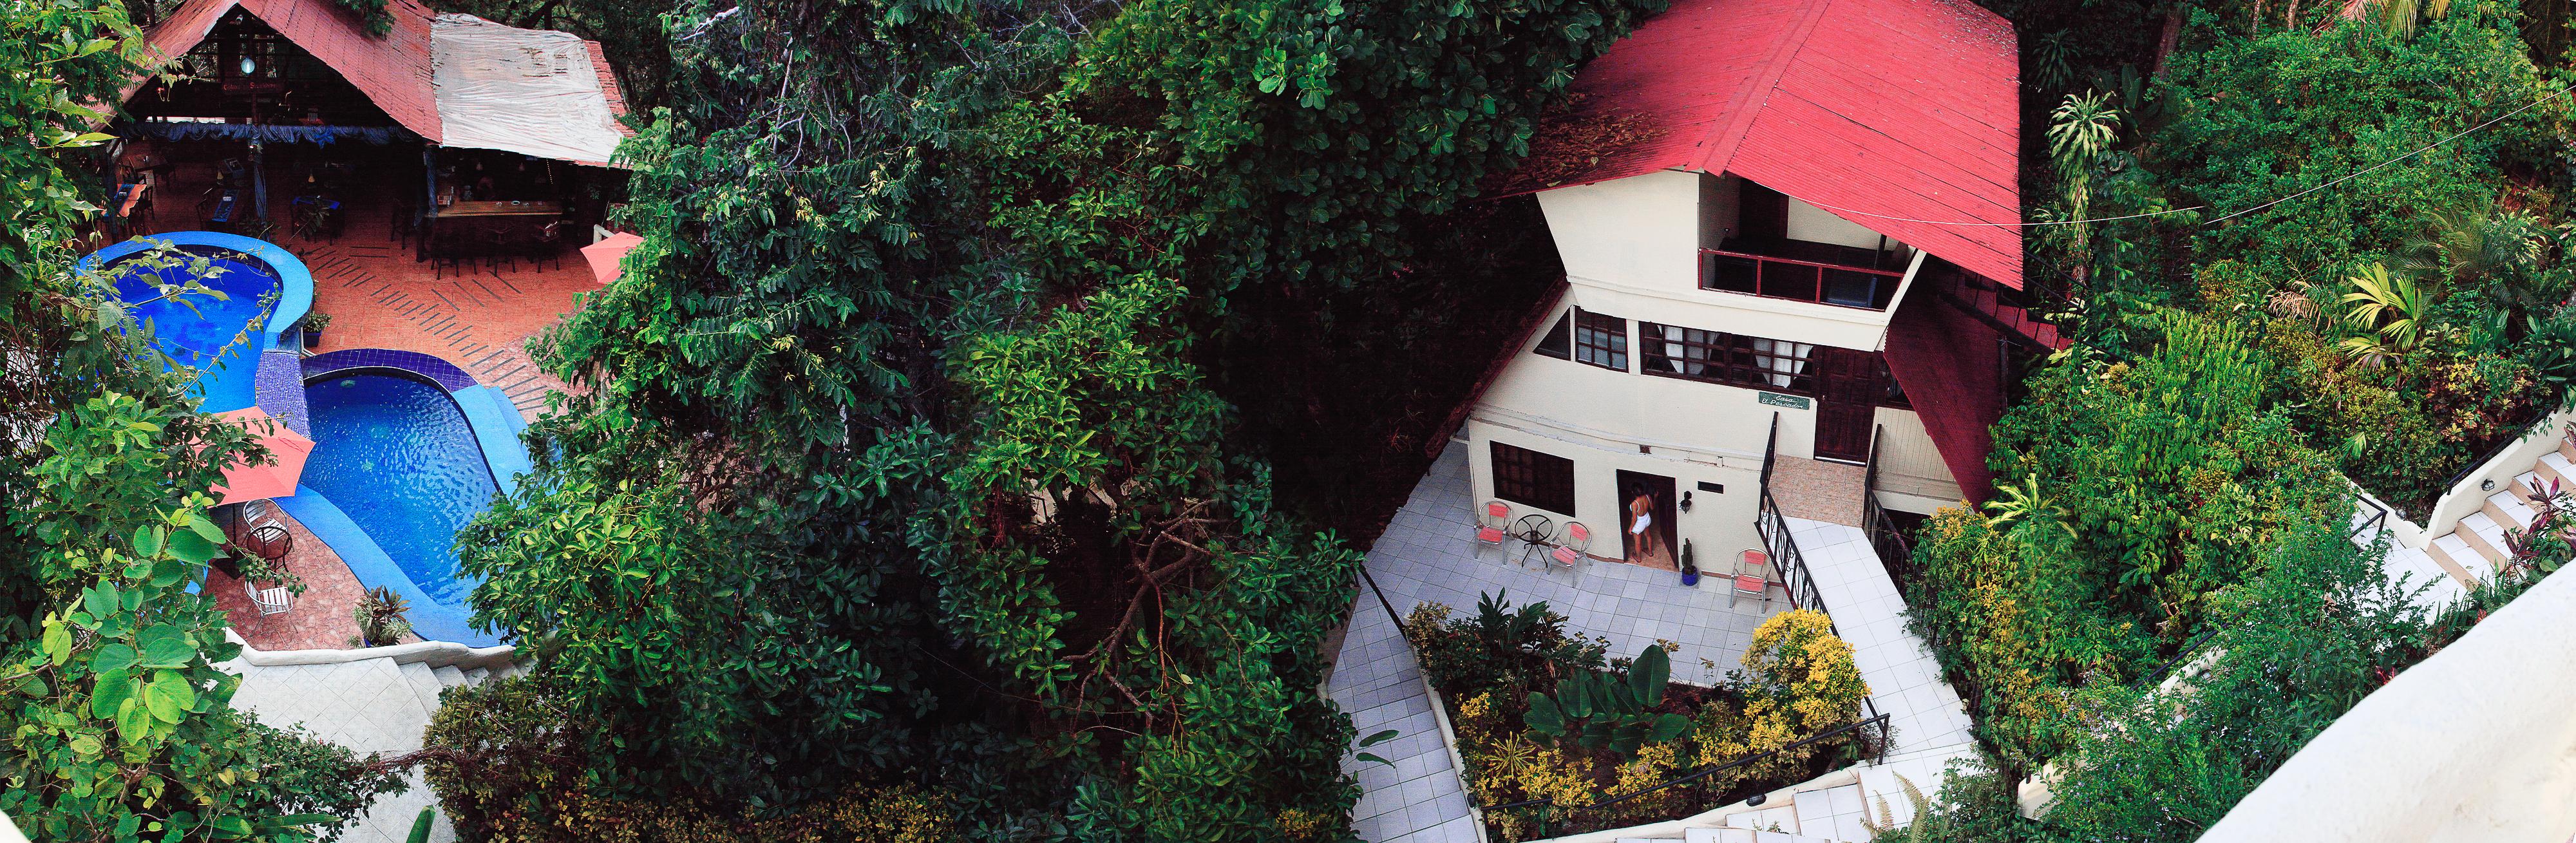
(399, 458)
(221, 339)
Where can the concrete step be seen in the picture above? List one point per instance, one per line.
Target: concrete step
(1833, 813)
(2414, 568)
(2485, 536)
(2510, 509)
(2454, 552)
(2556, 466)
(424, 684)
(2529, 483)
(1783, 817)
(450, 676)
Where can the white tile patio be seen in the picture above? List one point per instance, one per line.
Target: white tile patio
(1429, 554)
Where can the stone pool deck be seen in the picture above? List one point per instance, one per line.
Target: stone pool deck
(318, 619)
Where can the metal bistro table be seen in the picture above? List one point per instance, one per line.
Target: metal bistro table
(1533, 530)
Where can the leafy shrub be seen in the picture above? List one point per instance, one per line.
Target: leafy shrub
(1798, 681)
(380, 617)
(501, 757)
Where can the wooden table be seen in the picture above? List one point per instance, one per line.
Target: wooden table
(499, 209)
(467, 227)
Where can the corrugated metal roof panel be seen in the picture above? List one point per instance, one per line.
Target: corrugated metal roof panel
(1882, 108)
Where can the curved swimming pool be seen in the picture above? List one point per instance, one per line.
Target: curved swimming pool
(265, 290)
(396, 454)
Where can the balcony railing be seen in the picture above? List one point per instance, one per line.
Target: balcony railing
(1808, 281)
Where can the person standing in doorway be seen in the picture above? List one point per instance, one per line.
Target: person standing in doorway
(1641, 517)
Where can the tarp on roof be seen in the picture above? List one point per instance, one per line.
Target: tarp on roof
(529, 91)
(457, 80)
(1879, 108)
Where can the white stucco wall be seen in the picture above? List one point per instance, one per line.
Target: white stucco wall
(1640, 232)
(1717, 525)
(1631, 249)
(1817, 225)
(2477, 743)
(1911, 475)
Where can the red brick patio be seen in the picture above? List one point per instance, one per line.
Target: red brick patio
(318, 619)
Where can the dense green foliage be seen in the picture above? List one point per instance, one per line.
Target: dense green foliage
(1574, 742)
(2175, 485)
(910, 449)
(114, 714)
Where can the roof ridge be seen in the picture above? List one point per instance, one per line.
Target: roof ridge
(1751, 98)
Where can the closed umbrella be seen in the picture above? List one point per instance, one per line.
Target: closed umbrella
(605, 254)
(274, 479)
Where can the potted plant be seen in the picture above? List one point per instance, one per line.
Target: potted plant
(1690, 568)
(380, 618)
(313, 324)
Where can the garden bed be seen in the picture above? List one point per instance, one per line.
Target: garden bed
(1557, 738)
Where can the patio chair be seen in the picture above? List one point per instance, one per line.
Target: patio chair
(271, 601)
(547, 244)
(1752, 577)
(1571, 545)
(1489, 527)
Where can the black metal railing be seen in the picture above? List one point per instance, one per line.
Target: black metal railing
(1699, 792)
(2372, 525)
(1787, 562)
(1885, 537)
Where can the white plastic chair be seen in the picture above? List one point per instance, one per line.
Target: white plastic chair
(271, 601)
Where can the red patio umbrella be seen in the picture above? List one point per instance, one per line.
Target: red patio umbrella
(244, 482)
(605, 254)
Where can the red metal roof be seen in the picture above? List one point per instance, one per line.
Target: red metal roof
(392, 70)
(1900, 108)
(1952, 370)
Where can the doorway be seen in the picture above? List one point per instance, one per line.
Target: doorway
(1847, 391)
(1652, 496)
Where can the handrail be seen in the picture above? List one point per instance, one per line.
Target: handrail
(1894, 552)
(1879, 720)
(1769, 259)
(1782, 547)
(1882, 294)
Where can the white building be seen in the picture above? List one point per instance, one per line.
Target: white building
(1789, 242)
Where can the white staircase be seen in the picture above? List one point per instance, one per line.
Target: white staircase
(2477, 546)
(426, 681)
(1826, 815)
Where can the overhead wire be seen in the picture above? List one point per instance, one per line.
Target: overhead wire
(2354, 175)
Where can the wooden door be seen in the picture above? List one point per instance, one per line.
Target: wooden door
(1846, 403)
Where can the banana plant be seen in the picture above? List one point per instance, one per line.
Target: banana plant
(1602, 711)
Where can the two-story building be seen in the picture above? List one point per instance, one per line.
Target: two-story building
(1792, 245)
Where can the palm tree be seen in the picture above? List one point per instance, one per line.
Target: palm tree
(2401, 16)
(2392, 305)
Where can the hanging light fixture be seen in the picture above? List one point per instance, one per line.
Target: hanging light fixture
(248, 66)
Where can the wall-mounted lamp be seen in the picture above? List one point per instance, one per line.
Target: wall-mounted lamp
(1686, 501)
(2487, 485)
(248, 66)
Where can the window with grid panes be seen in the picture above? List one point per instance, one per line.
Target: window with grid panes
(1601, 340)
(1542, 480)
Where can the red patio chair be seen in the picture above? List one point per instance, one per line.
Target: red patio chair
(1754, 584)
(1489, 527)
(1569, 549)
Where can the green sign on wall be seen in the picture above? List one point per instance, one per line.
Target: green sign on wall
(1790, 401)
